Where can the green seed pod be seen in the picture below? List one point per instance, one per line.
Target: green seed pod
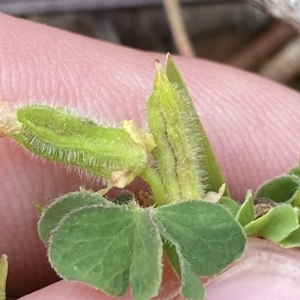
(173, 123)
(117, 154)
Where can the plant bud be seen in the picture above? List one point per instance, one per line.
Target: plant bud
(172, 122)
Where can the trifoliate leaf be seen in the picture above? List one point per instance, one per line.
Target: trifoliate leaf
(275, 225)
(145, 270)
(108, 247)
(208, 237)
(279, 189)
(276, 222)
(53, 214)
(191, 286)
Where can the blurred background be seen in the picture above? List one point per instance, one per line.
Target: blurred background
(233, 32)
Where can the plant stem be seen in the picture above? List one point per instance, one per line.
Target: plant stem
(180, 35)
(155, 183)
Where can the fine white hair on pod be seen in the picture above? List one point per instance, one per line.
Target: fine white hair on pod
(55, 133)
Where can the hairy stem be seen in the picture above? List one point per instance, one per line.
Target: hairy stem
(155, 183)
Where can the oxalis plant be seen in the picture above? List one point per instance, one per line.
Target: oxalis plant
(186, 211)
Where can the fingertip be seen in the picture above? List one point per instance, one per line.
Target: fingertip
(63, 290)
(267, 271)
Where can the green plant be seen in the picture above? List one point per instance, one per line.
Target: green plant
(274, 213)
(113, 243)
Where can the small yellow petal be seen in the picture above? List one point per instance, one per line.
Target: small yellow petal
(122, 178)
(9, 123)
(140, 136)
(214, 197)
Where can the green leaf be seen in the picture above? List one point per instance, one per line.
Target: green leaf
(231, 205)
(62, 206)
(294, 171)
(191, 286)
(292, 240)
(106, 247)
(209, 164)
(280, 189)
(295, 200)
(145, 269)
(275, 225)
(246, 212)
(3, 275)
(110, 246)
(208, 237)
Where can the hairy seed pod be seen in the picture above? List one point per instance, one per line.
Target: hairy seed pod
(117, 154)
(173, 123)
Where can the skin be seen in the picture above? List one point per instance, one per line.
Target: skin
(251, 122)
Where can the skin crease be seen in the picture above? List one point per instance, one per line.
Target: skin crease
(251, 122)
